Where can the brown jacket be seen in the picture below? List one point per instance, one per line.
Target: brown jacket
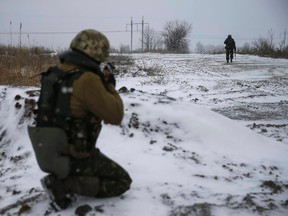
(90, 95)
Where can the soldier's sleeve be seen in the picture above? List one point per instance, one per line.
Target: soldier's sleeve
(103, 103)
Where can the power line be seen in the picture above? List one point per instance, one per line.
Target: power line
(125, 31)
(115, 31)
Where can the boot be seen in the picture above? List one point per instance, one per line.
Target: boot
(82, 185)
(56, 193)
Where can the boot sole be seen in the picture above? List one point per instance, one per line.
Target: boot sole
(66, 201)
(47, 189)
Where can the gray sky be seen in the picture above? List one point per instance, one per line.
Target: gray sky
(212, 20)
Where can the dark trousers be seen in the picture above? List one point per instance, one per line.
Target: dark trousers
(229, 54)
(97, 176)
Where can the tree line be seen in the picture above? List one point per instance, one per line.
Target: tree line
(174, 38)
(263, 46)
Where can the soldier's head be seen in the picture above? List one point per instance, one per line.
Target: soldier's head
(229, 36)
(91, 43)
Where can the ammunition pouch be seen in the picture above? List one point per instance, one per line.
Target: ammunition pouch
(83, 134)
(50, 145)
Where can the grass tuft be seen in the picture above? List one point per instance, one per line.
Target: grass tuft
(20, 66)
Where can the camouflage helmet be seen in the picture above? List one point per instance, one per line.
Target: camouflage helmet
(92, 43)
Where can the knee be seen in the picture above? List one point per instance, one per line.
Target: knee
(125, 185)
(127, 182)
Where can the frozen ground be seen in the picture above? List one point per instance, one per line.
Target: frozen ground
(184, 155)
(252, 90)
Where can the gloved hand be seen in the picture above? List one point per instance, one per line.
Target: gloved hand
(108, 73)
(111, 79)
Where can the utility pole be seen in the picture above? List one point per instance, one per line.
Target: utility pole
(11, 33)
(131, 30)
(131, 34)
(142, 33)
(20, 32)
(142, 24)
(284, 38)
(283, 42)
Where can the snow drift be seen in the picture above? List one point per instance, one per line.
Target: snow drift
(184, 159)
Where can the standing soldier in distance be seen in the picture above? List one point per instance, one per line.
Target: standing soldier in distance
(230, 47)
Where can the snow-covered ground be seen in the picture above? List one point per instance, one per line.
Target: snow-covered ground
(199, 137)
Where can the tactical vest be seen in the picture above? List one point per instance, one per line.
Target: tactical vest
(229, 44)
(58, 135)
(54, 109)
(50, 138)
(54, 101)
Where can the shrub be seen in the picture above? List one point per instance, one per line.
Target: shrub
(20, 66)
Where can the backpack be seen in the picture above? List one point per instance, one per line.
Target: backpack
(230, 44)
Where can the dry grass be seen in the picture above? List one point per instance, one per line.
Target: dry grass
(20, 66)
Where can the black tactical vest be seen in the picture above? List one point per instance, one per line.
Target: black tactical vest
(54, 101)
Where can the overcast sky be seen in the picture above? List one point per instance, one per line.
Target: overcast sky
(212, 20)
